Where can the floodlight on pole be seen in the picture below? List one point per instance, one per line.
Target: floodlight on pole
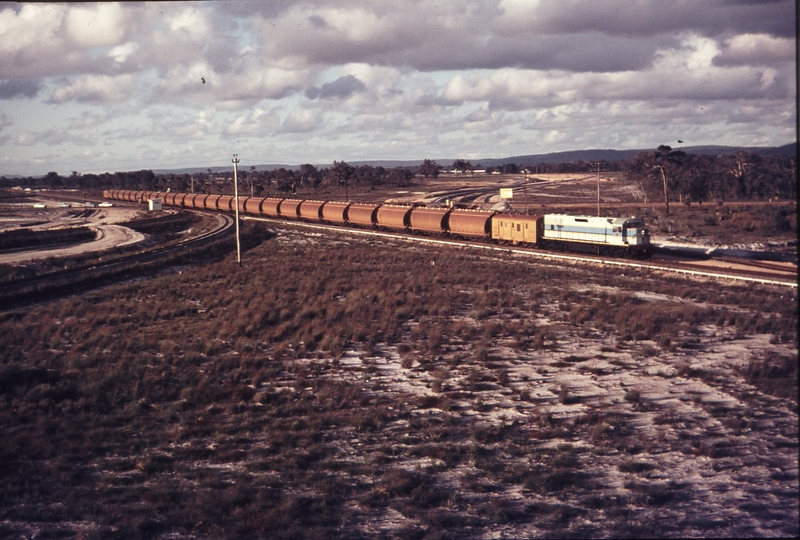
(235, 161)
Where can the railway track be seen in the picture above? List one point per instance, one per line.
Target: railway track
(777, 267)
(663, 266)
(67, 277)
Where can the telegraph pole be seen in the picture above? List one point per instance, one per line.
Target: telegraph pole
(235, 161)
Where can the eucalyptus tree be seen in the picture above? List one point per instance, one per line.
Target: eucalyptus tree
(667, 160)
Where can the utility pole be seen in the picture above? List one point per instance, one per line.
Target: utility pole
(526, 194)
(598, 166)
(235, 161)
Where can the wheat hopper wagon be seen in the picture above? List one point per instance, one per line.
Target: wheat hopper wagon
(392, 216)
(471, 223)
(335, 212)
(363, 214)
(429, 219)
(311, 210)
(290, 208)
(225, 203)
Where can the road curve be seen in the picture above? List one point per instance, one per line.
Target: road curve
(108, 236)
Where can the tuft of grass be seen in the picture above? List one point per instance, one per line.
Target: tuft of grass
(773, 374)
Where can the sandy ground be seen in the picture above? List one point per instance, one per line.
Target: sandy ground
(109, 236)
(102, 220)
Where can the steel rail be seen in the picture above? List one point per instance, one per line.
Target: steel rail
(529, 253)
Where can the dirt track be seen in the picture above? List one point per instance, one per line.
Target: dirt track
(109, 236)
(102, 220)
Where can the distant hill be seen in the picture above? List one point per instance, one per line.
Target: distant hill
(227, 168)
(610, 155)
(553, 157)
(577, 155)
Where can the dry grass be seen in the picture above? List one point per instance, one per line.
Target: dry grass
(338, 388)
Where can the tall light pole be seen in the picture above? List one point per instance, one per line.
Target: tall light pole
(235, 161)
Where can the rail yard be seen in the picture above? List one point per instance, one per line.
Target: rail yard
(394, 384)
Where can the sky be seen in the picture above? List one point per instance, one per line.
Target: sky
(104, 87)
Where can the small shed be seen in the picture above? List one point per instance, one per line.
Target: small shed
(153, 204)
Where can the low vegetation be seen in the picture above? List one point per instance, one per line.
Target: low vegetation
(25, 238)
(341, 387)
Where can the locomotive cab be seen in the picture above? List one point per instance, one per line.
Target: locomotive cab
(634, 232)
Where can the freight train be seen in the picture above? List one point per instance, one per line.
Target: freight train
(614, 236)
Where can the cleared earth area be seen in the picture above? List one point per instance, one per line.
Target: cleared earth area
(103, 221)
(337, 386)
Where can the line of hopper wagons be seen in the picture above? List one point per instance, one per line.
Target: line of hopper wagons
(612, 236)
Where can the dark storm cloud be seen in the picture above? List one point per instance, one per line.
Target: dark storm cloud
(317, 21)
(583, 52)
(19, 88)
(613, 35)
(269, 9)
(341, 88)
(647, 18)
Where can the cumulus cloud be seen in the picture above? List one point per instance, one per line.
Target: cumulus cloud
(341, 88)
(121, 53)
(95, 89)
(52, 38)
(86, 120)
(94, 25)
(755, 49)
(301, 121)
(687, 72)
(414, 76)
(52, 137)
(257, 121)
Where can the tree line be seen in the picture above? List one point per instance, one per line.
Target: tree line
(665, 174)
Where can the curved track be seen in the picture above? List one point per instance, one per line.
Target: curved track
(224, 224)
